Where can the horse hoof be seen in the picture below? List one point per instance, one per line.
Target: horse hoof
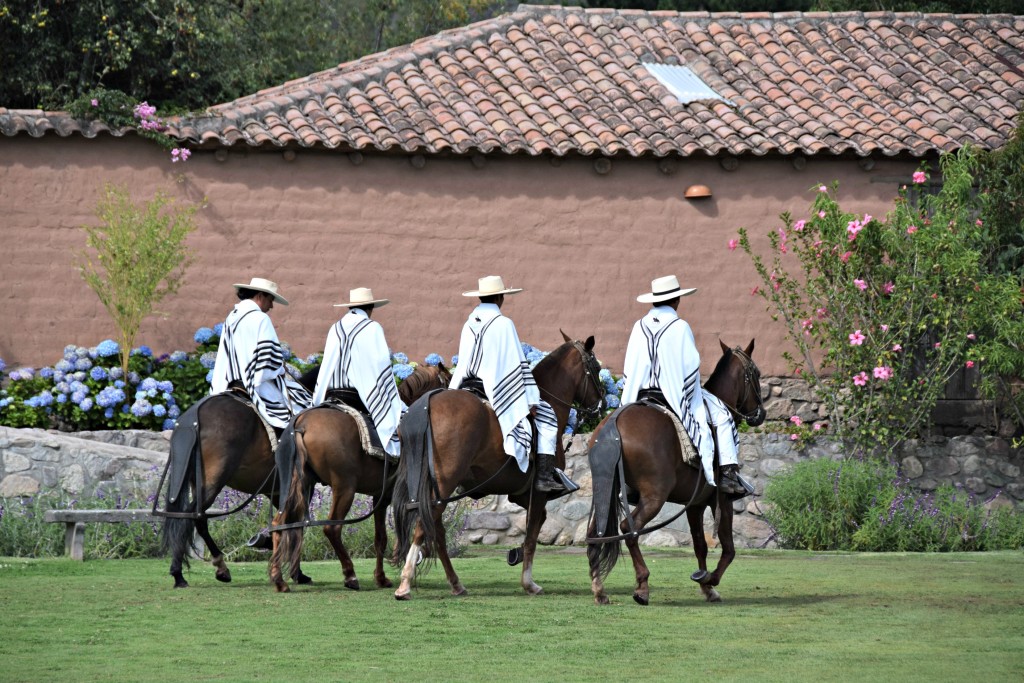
(601, 600)
(700, 576)
(223, 578)
(535, 590)
(352, 584)
(384, 583)
(181, 584)
(302, 579)
(282, 588)
(641, 599)
(402, 596)
(711, 595)
(460, 591)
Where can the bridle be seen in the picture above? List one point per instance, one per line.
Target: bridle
(751, 385)
(592, 372)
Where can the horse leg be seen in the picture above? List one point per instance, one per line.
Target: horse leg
(641, 515)
(339, 508)
(280, 585)
(380, 545)
(537, 513)
(403, 592)
(222, 574)
(441, 544)
(695, 517)
(728, 548)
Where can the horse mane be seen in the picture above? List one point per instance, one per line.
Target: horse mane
(720, 368)
(414, 385)
(552, 358)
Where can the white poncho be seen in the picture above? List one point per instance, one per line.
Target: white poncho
(251, 353)
(490, 349)
(356, 357)
(662, 355)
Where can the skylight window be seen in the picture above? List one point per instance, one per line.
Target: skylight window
(683, 83)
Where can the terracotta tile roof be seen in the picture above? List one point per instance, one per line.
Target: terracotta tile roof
(571, 81)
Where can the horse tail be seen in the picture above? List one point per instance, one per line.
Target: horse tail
(605, 509)
(412, 498)
(177, 536)
(291, 457)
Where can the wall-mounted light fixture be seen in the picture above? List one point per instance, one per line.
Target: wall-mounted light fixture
(698, 192)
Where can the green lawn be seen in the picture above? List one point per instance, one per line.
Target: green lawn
(786, 616)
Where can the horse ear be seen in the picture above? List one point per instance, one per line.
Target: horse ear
(564, 335)
(725, 349)
(750, 348)
(589, 344)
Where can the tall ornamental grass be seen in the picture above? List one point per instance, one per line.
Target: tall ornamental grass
(865, 505)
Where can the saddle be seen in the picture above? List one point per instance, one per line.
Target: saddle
(348, 402)
(474, 385)
(653, 398)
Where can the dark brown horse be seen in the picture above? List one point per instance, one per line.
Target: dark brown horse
(645, 442)
(328, 450)
(464, 438)
(234, 450)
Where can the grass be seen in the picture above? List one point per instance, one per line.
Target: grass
(786, 616)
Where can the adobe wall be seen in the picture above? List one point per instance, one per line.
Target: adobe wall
(582, 244)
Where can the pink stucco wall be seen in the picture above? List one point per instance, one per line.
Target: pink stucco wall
(583, 245)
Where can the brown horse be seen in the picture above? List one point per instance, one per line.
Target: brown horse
(328, 450)
(232, 449)
(641, 444)
(457, 443)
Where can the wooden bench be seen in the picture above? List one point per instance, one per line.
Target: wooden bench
(75, 521)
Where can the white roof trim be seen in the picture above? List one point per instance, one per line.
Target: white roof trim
(683, 83)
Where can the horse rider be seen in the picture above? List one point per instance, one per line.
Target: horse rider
(662, 364)
(250, 356)
(356, 368)
(491, 355)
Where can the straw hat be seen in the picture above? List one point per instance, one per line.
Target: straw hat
(492, 285)
(266, 286)
(663, 289)
(363, 296)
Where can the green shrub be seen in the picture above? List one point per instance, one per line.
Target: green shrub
(865, 505)
(819, 504)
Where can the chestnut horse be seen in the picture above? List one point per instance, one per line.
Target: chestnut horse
(328, 450)
(233, 449)
(457, 443)
(639, 445)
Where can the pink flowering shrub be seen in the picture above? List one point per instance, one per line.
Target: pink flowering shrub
(882, 311)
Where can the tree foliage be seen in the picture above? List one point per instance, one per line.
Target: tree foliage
(137, 257)
(189, 54)
(882, 312)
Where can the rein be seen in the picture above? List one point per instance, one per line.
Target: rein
(751, 385)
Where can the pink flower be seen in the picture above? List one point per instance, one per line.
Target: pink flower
(854, 227)
(808, 325)
(796, 420)
(755, 290)
(883, 372)
(856, 339)
(733, 244)
(911, 229)
(822, 313)
(970, 363)
(860, 379)
(978, 223)
(861, 285)
(888, 287)
(817, 426)
(919, 177)
(867, 218)
(846, 257)
(821, 214)
(799, 226)
(885, 328)
(938, 345)
(794, 437)
(94, 102)
(822, 188)
(971, 336)
(897, 347)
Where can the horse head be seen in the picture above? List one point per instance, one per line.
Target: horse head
(736, 380)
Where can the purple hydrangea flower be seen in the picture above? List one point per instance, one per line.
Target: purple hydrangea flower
(97, 373)
(208, 359)
(108, 348)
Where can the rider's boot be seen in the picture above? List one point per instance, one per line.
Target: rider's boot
(729, 482)
(545, 480)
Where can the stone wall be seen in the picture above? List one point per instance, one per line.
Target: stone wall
(32, 460)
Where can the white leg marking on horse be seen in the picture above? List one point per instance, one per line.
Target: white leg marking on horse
(408, 571)
(528, 585)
